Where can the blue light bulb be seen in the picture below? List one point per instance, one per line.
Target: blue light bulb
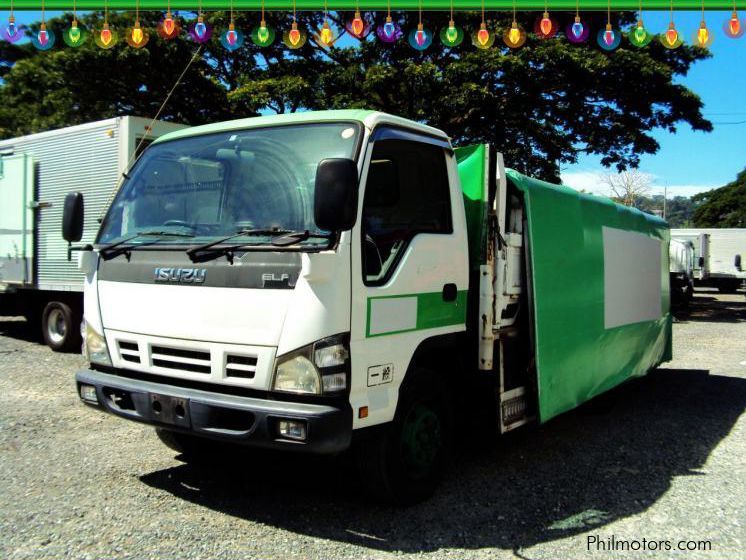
(200, 29)
(577, 29)
(388, 29)
(12, 29)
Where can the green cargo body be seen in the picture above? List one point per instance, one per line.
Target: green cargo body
(593, 271)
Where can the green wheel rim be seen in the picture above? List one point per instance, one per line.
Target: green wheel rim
(421, 440)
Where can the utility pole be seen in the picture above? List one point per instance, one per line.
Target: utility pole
(665, 199)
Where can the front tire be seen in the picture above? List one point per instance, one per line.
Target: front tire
(403, 464)
(60, 327)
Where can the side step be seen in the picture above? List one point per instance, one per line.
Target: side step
(513, 409)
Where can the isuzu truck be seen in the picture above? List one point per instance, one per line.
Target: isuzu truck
(326, 281)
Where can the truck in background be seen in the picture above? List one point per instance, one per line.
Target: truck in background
(36, 172)
(718, 254)
(322, 281)
(681, 266)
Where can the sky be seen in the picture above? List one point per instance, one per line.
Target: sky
(688, 162)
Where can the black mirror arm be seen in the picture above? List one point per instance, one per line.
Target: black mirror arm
(70, 249)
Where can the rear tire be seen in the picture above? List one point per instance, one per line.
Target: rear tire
(403, 464)
(60, 327)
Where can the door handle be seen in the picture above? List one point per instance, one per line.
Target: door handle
(449, 292)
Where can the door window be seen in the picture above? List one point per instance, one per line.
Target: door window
(406, 193)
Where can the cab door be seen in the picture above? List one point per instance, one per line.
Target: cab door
(409, 263)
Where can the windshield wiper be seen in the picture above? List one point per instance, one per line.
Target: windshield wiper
(107, 249)
(282, 238)
(293, 237)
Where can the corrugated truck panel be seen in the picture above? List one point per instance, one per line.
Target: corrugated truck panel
(16, 219)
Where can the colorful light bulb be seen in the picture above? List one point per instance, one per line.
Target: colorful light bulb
(357, 25)
(640, 37)
(136, 36)
(43, 36)
(609, 35)
(545, 24)
(451, 32)
(703, 38)
(11, 30)
(294, 35)
(672, 36)
(232, 39)
(483, 36)
(640, 32)
(420, 37)
(577, 32)
(514, 34)
(326, 34)
(200, 29)
(734, 25)
(169, 25)
(231, 36)
(74, 32)
(388, 28)
(262, 33)
(577, 28)
(389, 32)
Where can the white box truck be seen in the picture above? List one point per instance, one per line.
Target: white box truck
(323, 281)
(36, 172)
(681, 266)
(718, 254)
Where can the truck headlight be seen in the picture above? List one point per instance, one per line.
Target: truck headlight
(297, 374)
(321, 367)
(95, 347)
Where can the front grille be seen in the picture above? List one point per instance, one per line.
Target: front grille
(181, 359)
(129, 351)
(243, 367)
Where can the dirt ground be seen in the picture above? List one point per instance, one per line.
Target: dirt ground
(661, 466)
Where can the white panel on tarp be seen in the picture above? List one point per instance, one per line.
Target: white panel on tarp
(632, 277)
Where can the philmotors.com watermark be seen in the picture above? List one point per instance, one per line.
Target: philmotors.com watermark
(596, 543)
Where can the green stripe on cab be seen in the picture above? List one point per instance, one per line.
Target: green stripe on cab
(388, 315)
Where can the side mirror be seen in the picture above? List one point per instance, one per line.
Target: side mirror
(737, 262)
(335, 194)
(72, 217)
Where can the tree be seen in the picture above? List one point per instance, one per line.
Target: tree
(541, 105)
(723, 207)
(627, 187)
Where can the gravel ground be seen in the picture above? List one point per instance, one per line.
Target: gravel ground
(663, 459)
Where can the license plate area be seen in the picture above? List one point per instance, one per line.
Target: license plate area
(169, 410)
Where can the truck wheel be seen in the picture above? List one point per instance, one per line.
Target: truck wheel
(60, 326)
(404, 463)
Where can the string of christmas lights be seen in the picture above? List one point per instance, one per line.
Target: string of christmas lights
(362, 25)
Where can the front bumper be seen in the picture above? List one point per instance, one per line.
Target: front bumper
(239, 419)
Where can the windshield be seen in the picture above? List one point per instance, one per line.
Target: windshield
(209, 187)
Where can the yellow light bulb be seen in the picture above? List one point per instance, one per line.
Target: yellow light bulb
(514, 34)
(703, 35)
(137, 33)
(326, 34)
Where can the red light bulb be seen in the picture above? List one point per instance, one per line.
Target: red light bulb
(357, 25)
(106, 34)
(294, 34)
(169, 24)
(734, 24)
(546, 24)
(483, 36)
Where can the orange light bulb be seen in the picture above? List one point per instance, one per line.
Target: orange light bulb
(483, 36)
(106, 34)
(294, 34)
(357, 24)
(169, 24)
(672, 35)
(734, 24)
(546, 24)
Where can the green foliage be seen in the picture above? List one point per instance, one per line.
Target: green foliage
(723, 207)
(541, 105)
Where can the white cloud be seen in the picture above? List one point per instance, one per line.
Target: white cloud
(591, 181)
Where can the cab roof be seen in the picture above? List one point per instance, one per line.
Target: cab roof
(368, 118)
